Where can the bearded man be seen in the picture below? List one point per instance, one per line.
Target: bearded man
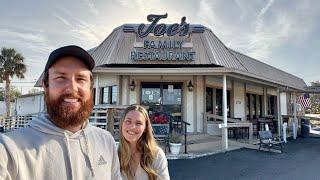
(60, 144)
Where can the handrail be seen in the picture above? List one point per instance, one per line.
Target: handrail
(185, 132)
(221, 117)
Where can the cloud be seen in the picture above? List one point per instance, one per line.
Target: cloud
(265, 9)
(63, 20)
(257, 29)
(91, 6)
(79, 29)
(33, 40)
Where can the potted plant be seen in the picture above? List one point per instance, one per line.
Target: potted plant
(175, 142)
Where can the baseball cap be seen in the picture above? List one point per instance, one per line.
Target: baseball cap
(71, 50)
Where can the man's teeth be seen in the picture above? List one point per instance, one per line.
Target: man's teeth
(71, 100)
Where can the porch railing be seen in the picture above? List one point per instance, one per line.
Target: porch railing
(233, 123)
(15, 122)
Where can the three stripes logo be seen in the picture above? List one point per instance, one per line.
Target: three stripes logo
(101, 161)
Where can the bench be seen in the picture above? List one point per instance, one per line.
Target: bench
(161, 134)
(267, 140)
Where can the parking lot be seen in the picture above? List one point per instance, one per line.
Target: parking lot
(300, 160)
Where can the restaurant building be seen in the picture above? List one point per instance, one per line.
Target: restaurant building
(186, 70)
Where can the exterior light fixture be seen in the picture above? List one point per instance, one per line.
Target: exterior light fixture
(190, 86)
(132, 85)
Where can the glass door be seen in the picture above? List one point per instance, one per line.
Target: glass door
(162, 98)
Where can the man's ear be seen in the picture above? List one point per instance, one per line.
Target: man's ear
(44, 86)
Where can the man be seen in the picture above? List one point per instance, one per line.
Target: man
(60, 144)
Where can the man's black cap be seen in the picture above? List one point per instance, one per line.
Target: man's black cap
(71, 50)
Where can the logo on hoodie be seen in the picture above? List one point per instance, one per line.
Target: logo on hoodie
(101, 161)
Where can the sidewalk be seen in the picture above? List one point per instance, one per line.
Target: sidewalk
(205, 145)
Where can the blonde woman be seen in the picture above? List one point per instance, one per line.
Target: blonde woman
(140, 156)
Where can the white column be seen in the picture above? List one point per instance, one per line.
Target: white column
(224, 110)
(295, 120)
(279, 113)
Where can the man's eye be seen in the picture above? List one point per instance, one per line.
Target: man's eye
(82, 79)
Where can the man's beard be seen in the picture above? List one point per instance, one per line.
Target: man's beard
(64, 116)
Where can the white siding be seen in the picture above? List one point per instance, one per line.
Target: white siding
(200, 102)
(239, 100)
(283, 103)
(108, 80)
(272, 91)
(2, 108)
(125, 90)
(188, 109)
(216, 81)
(30, 104)
(253, 89)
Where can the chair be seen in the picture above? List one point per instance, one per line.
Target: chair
(267, 140)
(161, 134)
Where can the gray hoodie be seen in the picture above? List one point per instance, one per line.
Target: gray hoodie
(44, 151)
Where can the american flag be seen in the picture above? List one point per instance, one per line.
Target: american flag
(304, 101)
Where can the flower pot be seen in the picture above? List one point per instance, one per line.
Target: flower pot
(175, 148)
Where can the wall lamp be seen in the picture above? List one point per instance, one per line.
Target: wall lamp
(132, 85)
(190, 86)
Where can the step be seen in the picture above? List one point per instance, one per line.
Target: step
(195, 136)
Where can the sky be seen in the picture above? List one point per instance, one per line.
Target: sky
(281, 33)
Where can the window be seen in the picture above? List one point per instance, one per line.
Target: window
(209, 100)
(254, 106)
(272, 104)
(94, 95)
(109, 95)
(219, 102)
(114, 94)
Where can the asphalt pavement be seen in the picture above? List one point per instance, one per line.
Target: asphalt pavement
(300, 160)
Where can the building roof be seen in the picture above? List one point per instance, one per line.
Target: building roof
(211, 52)
(115, 50)
(269, 72)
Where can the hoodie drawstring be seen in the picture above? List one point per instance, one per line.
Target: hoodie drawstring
(88, 152)
(69, 154)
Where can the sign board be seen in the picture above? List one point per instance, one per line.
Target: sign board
(166, 44)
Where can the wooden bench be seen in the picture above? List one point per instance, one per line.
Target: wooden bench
(267, 140)
(161, 134)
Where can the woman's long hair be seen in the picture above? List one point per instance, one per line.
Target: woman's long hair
(146, 145)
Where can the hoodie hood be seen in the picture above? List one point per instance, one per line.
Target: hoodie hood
(44, 124)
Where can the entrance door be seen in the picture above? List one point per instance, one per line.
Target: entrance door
(162, 97)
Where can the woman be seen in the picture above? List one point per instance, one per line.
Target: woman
(140, 156)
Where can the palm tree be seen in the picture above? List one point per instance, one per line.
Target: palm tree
(11, 64)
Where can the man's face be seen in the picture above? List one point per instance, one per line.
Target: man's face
(68, 96)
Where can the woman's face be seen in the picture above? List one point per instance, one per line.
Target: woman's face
(133, 126)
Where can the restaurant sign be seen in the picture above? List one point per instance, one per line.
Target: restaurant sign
(165, 48)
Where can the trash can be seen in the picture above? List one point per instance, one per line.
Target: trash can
(305, 127)
(1, 129)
